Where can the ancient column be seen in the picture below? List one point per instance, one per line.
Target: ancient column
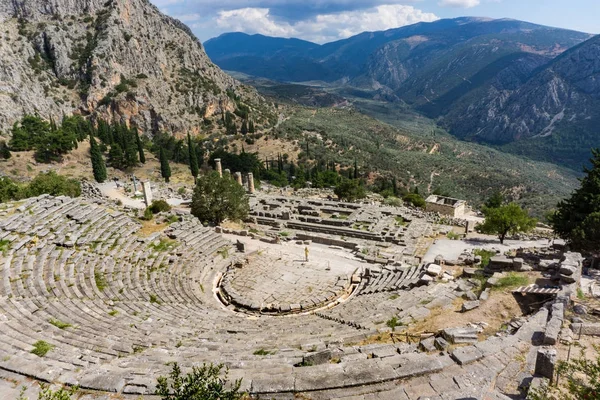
(147, 193)
(227, 171)
(238, 178)
(250, 182)
(218, 167)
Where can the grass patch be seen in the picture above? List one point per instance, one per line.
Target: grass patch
(112, 313)
(59, 324)
(453, 235)
(486, 256)
(399, 220)
(151, 227)
(224, 252)
(393, 297)
(4, 246)
(263, 352)
(393, 323)
(580, 294)
(164, 245)
(154, 299)
(100, 279)
(41, 348)
(510, 281)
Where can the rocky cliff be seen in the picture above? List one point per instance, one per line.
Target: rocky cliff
(120, 59)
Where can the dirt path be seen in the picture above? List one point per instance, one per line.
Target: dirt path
(451, 249)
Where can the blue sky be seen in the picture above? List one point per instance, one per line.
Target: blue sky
(327, 20)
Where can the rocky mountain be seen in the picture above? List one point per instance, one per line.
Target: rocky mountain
(118, 59)
(555, 114)
(495, 81)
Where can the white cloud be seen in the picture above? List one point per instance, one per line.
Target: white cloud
(253, 20)
(459, 3)
(323, 27)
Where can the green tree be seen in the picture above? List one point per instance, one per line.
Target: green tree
(350, 190)
(98, 165)
(192, 156)
(9, 190)
(116, 157)
(251, 128)
(244, 128)
(216, 199)
(202, 383)
(577, 218)
(54, 185)
(54, 144)
(495, 201)
(415, 199)
(4, 150)
(140, 148)
(507, 219)
(165, 169)
(27, 133)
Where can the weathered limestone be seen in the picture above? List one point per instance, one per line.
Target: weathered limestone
(545, 362)
(238, 178)
(251, 183)
(147, 189)
(218, 167)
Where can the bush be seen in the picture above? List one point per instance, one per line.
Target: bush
(54, 185)
(203, 383)
(350, 190)
(415, 199)
(8, 190)
(159, 206)
(148, 214)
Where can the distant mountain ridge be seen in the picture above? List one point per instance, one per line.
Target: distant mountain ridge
(485, 80)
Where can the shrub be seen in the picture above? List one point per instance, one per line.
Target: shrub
(159, 206)
(148, 215)
(202, 383)
(54, 185)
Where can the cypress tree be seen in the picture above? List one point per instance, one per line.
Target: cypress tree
(98, 165)
(244, 128)
(251, 128)
(165, 169)
(193, 158)
(355, 169)
(115, 156)
(140, 148)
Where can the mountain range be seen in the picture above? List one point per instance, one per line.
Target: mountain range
(527, 88)
(120, 60)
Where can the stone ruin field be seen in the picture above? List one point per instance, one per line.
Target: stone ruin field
(116, 300)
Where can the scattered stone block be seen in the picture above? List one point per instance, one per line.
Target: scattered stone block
(441, 343)
(433, 270)
(427, 345)
(545, 362)
(580, 309)
(460, 335)
(467, 355)
(317, 358)
(552, 331)
(469, 295)
(425, 279)
(567, 269)
(586, 329)
(469, 305)
(484, 295)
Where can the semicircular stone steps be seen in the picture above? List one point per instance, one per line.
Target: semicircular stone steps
(117, 307)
